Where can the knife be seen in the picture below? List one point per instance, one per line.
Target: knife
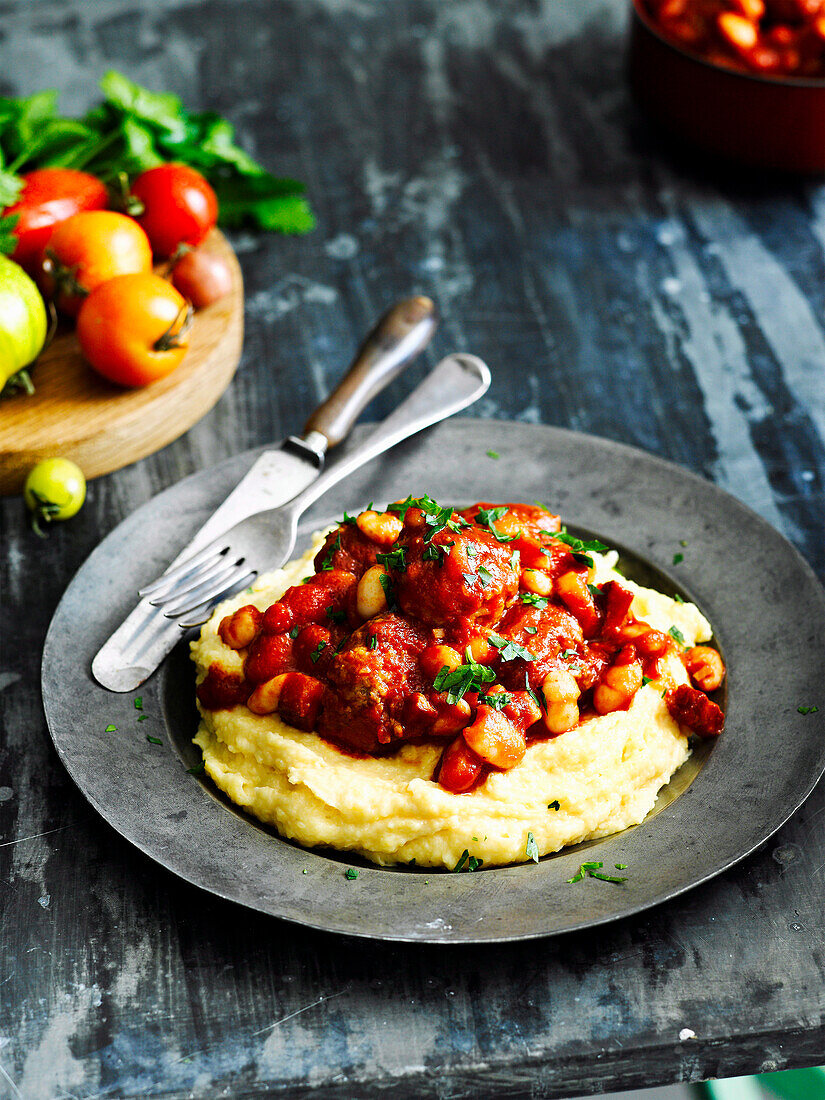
(141, 642)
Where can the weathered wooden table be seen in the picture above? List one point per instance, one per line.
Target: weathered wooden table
(486, 153)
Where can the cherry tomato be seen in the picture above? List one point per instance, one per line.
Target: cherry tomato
(54, 490)
(132, 328)
(88, 249)
(202, 278)
(50, 196)
(180, 207)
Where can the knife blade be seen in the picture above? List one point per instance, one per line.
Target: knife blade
(146, 636)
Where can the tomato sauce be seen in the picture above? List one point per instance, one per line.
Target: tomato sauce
(486, 630)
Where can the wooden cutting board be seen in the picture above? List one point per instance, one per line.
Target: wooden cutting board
(76, 414)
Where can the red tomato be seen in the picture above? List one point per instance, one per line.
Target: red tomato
(132, 328)
(202, 278)
(50, 196)
(180, 207)
(88, 249)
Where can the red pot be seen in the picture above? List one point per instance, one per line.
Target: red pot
(776, 122)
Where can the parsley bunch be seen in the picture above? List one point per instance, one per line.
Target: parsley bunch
(131, 130)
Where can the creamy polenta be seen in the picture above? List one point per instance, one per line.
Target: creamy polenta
(595, 779)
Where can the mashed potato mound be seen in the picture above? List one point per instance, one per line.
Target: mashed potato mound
(604, 775)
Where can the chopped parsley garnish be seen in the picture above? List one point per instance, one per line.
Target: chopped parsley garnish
(315, 656)
(336, 616)
(349, 519)
(472, 551)
(583, 559)
(567, 654)
(437, 551)
(678, 598)
(198, 768)
(537, 697)
(493, 454)
(142, 717)
(593, 870)
(110, 729)
(532, 850)
(497, 702)
(472, 863)
(296, 630)
(487, 517)
(341, 645)
(154, 740)
(808, 710)
(467, 677)
(393, 559)
(509, 650)
(372, 641)
(484, 575)
(350, 873)
(469, 577)
(326, 563)
(389, 591)
(646, 680)
(554, 805)
(531, 630)
(533, 600)
(594, 590)
(436, 518)
(139, 703)
(515, 559)
(677, 558)
(579, 546)
(620, 866)
(677, 635)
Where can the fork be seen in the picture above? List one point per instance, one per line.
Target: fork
(265, 540)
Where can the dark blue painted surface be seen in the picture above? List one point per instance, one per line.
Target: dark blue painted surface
(487, 154)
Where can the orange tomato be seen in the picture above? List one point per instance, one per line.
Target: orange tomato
(132, 328)
(88, 249)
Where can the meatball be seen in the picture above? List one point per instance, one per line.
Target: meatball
(369, 682)
(464, 574)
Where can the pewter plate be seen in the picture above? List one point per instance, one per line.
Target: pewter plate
(765, 603)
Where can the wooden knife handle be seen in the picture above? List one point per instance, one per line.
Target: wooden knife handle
(403, 332)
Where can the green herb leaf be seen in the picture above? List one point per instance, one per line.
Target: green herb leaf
(139, 702)
(389, 591)
(677, 598)
(336, 616)
(110, 729)
(808, 710)
(198, 768)
(393, 559)
(533, 600)
(578, 545)
(678, 558)
(485, 576)
(350, 873)
(153, 740)
(620, 866)
(531, 630)
(467, 677)
(509, 650)
(8, 238)
(498, 701)
(646, 680)
(315, 656)
(462, 859)
(554, 805)
(326, 562)
(142, 717)
(296, 630)
(532, 851)
(594, 590)
(487, 517)
(473, 864)
(372, 641)
(493, 454)
(677, 635)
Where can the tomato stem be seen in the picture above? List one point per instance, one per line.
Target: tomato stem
(179, 327)
(21, 380)
(65, 278)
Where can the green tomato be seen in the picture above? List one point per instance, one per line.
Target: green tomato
(55, 490)
(24, 328)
